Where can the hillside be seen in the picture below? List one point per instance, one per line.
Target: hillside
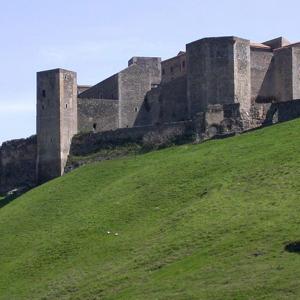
(206, 221)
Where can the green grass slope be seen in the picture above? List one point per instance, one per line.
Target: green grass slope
(206, 221)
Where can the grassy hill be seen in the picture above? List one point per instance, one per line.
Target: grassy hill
(206, 221)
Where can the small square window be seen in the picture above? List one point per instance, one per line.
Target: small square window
(44, 93)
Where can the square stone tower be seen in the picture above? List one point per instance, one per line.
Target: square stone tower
(218, 73)
(56, 121)
(287, 73)
(142, 74)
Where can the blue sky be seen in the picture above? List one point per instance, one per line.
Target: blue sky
(96, 39)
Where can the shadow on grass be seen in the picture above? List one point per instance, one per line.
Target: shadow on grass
(11, 196)
(6, 200)
(293, 247)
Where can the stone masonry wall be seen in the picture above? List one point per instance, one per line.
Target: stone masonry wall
(18, 164)
(48, 124)
(218, 73)
(106, 89)
(97, 115)
(283, 74)
(296, 72)
(165, 104)
(134, 83)
(210, 75)
(68, 114)
(56, 120)
(262, 75)
(174, 67)
(242, 74)
(82, 88)
(271, 113)
(84, 144)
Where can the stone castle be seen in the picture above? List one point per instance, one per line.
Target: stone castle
(219, 85)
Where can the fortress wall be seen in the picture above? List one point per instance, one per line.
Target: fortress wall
(210, 75)
(283, 74)
(167, 103)
(296, 72)
(134, 83)
(18, 164)
(173, 68)
(56, 120)
(269, 113)
(288, 110)
(220, 120)
(150, 109)
(173, 101)
(82, 88)
(277, 43)
(106, 89)
(48, 124)
(68, 113)
(242, 74)
(97, 115)
(262, 75)
(218, 73)
(88, 143)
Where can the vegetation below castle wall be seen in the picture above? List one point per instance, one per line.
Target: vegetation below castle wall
(217, 220)
(108, 153)
(91, 147)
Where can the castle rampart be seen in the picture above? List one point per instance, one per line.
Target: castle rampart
(18, 164)
(174, 67)
(56, 121)
(106, 89)
(221, 85)
(262, 74)
(165, 104)
(218, 73)
(97, 114)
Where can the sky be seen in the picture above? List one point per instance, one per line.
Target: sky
(96, 38)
